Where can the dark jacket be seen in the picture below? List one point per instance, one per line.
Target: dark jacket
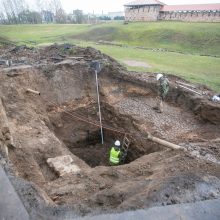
(163, 87)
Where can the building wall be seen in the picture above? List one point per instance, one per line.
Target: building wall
(204, 16)
(144, 13)
(152, 13)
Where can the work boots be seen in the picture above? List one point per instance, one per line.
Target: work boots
(160, 103)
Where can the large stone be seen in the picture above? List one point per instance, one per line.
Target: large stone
(63, 165)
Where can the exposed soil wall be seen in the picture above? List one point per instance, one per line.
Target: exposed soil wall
(64, 121)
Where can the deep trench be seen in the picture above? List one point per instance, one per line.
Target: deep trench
(84, 139)
(60, 83)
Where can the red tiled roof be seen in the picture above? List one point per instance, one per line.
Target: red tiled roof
(199, 7)
(144, 2)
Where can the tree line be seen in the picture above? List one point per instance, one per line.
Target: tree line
(46, 11)
(19, 12)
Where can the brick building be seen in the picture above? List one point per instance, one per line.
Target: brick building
(153, 10)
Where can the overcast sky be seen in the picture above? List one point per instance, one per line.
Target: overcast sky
(115, 5)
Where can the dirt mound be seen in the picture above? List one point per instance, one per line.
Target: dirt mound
(52, 140)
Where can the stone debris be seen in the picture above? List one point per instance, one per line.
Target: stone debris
(63, 165)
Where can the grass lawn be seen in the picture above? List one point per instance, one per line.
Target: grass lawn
(41, 34)
(195, 68)
(190, 38)
(195, 38)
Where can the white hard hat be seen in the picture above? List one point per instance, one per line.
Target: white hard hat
(117, 143)
(215, 98)
(159, 75)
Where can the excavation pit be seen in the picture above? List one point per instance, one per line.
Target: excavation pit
(63, 122)
(83, 138)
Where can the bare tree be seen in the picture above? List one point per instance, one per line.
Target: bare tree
(39, 4)
(11, 9)
(43, 5)
(17, 11)
(48, 7)
(61, 16)
(2, 14)
(3, 19)
(30, 17)
(19, 6)
(78, 16)
(56, 7)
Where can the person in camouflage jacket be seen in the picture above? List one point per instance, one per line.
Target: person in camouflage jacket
(163, 89)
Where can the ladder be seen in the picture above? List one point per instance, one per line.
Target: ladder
(124, 148)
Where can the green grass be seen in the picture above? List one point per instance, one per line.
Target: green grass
(192, 39)
(195, 38)
(41, 34)
(195, 68)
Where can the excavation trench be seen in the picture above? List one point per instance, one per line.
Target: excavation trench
(55, 148)
(83, 138)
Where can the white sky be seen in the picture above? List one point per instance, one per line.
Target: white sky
(115, 5)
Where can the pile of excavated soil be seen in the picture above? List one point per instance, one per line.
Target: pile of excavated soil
(51, 146)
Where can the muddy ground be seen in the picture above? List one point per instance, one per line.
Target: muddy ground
(63, 120)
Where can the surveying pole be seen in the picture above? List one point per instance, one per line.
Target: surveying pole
(96, 65)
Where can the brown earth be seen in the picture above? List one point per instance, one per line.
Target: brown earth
(61, 122)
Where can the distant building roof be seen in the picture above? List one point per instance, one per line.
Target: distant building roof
(196, 7)
(144, 2)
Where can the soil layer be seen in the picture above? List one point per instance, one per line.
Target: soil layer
(64, 120)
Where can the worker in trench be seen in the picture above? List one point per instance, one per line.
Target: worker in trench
(115, 154)
(163, 89)
(216, 98)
